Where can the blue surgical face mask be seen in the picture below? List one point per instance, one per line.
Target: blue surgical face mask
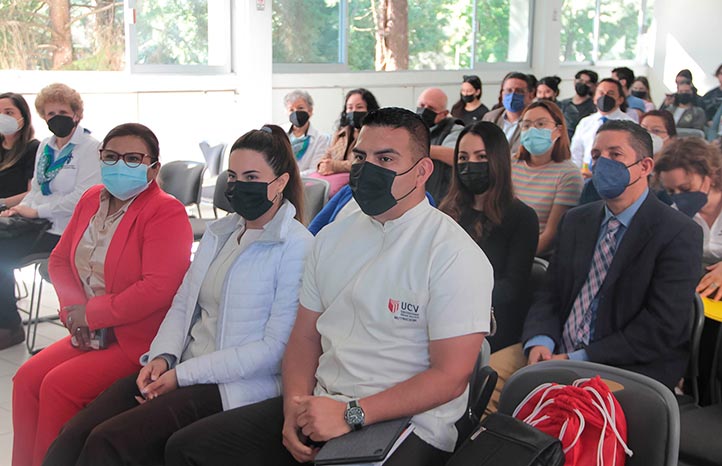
(610, 177)
(122, 181)
(537, 141)
(689, 203)
(513, 102)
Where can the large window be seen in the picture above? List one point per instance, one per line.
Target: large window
(112, 35)
(386, 35)
(596, 31)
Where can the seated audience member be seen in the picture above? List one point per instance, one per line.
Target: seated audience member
(544, 177)
(403, 290)
(683, 76)
(469, 108)
(341, 205)
(712, 100)
(611, 103)
(548, 88)
(482, 201)
(307, 142)
(220, 345)
(581, 104)
(517, 91)
(336, 162)
(686, 114)
(690, 170)
(714, 132)
(17, 149)
(641, 90)
(115, 270)
(659, 123)
(620, 285)
(444, 131)
(635, 105)
(67, 165)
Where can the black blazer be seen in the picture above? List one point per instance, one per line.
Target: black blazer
(643, 316)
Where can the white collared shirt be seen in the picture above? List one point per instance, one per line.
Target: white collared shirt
(712, 242)
(385, 291)
(79, 174)
(586, 132)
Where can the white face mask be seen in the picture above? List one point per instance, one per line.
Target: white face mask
(8, 125)
(657, 143)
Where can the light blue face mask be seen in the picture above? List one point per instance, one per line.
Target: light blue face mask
(537, 140)
(122, 181)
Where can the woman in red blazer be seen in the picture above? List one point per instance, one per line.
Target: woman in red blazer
(116, 268)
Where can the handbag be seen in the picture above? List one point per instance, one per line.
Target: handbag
(17, 227)
(502, 440)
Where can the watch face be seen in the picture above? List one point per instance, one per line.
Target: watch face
(355, 415)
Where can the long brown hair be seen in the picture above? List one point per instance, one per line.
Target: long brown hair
(13, 155)
(273, 143)
(561, 150)
(459, 202)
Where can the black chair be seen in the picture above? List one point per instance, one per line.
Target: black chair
(650, 408)
(39, 263)
(315, 193)
(220, 202)
(538, 273)
(692, 398)
(183, 180)
(699, 442)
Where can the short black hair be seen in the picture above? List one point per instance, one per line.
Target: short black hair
(593, 76)
(639, 138)
(396, 117)
(620, 90)
(139, 131)
(719, 70)
(530, 83)
(624, 73)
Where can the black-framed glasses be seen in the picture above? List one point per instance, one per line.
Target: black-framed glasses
(131, 159)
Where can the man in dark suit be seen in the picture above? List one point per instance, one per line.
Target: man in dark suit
(620, 285)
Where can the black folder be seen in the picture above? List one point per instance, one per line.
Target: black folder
(371, 444)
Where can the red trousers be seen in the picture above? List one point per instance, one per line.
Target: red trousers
(52, 386)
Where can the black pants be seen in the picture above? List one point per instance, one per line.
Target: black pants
(11, 252)
(251, 436)
(115, 430)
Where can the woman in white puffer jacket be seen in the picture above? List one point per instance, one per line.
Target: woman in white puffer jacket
(221, 343)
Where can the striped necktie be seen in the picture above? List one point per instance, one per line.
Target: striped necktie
(577, 329)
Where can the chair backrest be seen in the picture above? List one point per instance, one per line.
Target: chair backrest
(481, 386)
(220, 201)
(538, 273)
(182, 180)
(213, 156)
(315, 193)
(650, 408)
(690, 133)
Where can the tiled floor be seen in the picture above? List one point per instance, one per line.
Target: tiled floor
(12, 358)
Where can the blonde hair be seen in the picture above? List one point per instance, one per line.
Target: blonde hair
(59, 93)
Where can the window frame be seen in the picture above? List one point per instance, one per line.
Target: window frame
(131, 46)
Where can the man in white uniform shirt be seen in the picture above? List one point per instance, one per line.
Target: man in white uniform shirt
(609, 98)
(393, 310)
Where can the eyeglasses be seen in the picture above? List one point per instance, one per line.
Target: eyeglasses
(541, 123)
(657, 131)
(131, 159)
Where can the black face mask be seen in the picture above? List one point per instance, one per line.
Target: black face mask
(355, 119)
(690, 203)
(474, 176)
(249, 198)
(639, 94)
(684, 99)
(371, 187)
(299, 118)
(61, 125)
(468, 98)
(582, 89)
(606, 103)
(427, 115)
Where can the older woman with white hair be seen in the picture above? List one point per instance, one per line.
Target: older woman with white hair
(308, 143)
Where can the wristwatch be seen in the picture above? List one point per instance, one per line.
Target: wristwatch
(354, 415)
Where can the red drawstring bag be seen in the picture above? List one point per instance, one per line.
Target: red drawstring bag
(585, 416)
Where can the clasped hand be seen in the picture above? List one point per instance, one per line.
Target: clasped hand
(154, 379)
(316, 417)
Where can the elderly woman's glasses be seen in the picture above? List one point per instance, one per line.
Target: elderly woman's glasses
(131, 159)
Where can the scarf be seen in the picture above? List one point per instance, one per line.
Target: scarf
(49, 166)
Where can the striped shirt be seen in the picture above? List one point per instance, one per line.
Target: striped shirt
(542, 187)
